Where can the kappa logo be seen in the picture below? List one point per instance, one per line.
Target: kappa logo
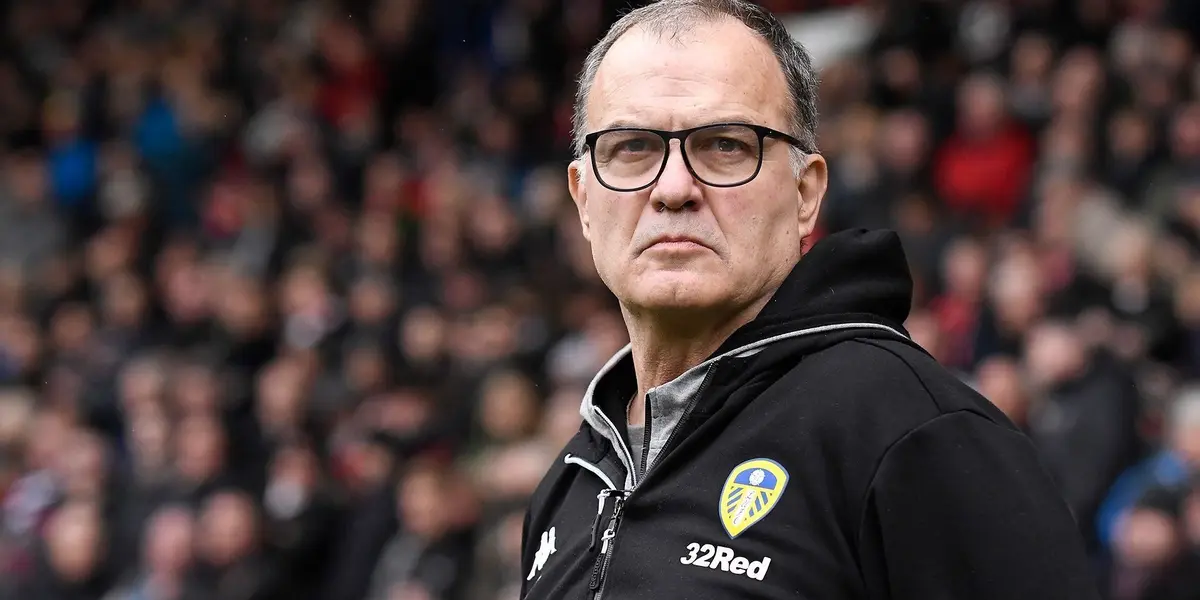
(543, 553)
(751, 491)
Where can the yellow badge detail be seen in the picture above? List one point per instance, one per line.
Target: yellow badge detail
(751, 491)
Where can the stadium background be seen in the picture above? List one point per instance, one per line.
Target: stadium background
(293, 303)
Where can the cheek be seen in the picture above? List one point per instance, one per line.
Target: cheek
(606, 239)
(757, 223)
(612, 219)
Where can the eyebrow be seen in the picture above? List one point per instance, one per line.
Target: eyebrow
(616, 123)
(624, 122)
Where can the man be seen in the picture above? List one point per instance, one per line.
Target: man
(770, 432)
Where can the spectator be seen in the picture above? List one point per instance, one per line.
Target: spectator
(984, 167)
(1085, 425)
(1154, 560)
(429, 556)
(230, 559)
(1170, 467)
(300, 518)
(71, 564)
(166, 555)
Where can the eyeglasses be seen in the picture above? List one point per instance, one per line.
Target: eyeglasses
(628, 159)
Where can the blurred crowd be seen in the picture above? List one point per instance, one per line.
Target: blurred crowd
(293, 303)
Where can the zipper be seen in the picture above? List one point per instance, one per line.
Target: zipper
(687, 413)
(623, 452)
(608, 542)
(607, 546)
(647, 435)
(607, 539)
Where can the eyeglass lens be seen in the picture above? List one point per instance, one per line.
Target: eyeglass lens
(721, 156)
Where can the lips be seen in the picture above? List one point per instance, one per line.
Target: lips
(674, 239)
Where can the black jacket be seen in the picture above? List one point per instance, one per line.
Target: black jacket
(818, 455)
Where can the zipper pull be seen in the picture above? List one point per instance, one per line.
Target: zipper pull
(613, 520)
(609, 534)
(600, 571)
(600, 498)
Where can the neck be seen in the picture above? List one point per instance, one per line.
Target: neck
(663, 349)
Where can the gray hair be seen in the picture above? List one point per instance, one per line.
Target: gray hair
(670, 18)
(1184, 412)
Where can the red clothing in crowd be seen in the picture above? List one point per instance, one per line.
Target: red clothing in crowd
(350, 92)
(985, 177)
(957, 319)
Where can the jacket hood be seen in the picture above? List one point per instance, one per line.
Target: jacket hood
(853, 275)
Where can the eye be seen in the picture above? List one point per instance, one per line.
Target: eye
(725, 144)
(633, 145)
(628, 145)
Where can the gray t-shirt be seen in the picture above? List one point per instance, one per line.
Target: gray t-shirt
(637, 439)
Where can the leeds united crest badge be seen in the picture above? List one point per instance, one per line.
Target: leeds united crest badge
(751, 491)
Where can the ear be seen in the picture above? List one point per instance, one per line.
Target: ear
(576, 172)
(810, 192)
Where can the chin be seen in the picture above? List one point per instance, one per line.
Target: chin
(686, 291)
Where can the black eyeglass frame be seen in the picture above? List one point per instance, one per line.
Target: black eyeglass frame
(762, 131)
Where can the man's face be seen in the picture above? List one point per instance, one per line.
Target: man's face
(749, 235)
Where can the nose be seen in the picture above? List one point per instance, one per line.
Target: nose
(676, 188)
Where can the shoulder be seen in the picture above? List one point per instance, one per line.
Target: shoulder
(845, 407)
(859, 397)
(892, 377)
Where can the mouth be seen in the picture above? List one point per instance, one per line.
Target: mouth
(676, 243)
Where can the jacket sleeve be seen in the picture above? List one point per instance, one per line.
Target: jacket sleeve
(961, 507)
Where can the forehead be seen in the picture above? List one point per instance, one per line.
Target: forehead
(716, 71)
